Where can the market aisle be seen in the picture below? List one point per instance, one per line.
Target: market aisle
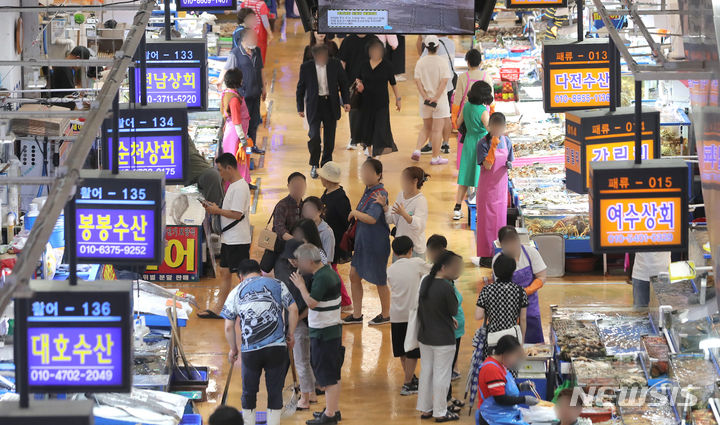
(371, 376)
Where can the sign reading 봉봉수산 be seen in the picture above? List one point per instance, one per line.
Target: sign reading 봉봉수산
(78, 338)
(119, 219)
(637, 208)
(578, 75)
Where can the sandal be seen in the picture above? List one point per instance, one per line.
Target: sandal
(426, 416)
(456, 402)
(208, 314)
(449, 416)
(454, 409)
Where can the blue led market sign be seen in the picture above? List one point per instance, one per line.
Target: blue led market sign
(176, 72)
(78, 338)
(152, 138)
(206, 4)
(119, 219)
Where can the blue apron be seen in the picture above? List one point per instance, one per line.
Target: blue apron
(523, 278)
(493, 413)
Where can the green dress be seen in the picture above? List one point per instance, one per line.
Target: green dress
(469, 172)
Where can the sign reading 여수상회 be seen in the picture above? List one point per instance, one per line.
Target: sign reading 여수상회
(119, 219)
(604, 135)
(639, 207)
(78, 338)
(578, 75)
(151, 138)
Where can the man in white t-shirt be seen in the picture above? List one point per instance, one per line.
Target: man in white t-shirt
(647, 265)
(404, 277)
(236, 235)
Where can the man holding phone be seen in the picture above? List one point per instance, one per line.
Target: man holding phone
(432, 73)
(236, 235)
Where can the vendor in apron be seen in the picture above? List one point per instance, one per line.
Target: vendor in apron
(495, 154)
(498, 393)
(530, 274)
(237, 121)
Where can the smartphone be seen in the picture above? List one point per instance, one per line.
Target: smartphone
(431, 104)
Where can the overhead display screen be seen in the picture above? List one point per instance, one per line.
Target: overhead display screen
(529, 4)
(396, 16)
(176, 72)
(152, 138)
(206, 4)
(603, 135)
(78, 337)
(577, 75)
(639, 207)
(119, 219)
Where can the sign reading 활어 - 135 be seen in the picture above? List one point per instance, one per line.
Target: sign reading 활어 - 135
(578, 75)
(78, 338)
(637, 208)
(119, 219)
(604, 135)
(151, 138)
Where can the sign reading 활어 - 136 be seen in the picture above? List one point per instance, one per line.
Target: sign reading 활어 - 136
(119, 219)
(604, 135)
(637, 208)
(578, 75)
(78, 338)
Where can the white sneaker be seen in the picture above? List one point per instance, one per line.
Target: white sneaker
(457, 214)
(439, 161)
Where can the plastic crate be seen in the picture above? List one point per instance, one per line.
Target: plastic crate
(510, 74)
(191, 419)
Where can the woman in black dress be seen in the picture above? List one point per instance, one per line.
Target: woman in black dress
(376, 134)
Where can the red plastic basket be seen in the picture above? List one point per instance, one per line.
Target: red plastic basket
(510, 74)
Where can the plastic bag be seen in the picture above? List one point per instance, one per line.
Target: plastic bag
(539, 414)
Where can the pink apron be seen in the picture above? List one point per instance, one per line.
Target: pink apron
(491, 202)
(230, 138)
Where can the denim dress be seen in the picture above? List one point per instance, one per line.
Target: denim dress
(372, 241)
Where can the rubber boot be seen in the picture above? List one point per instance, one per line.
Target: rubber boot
(273, 417)
(248, 416)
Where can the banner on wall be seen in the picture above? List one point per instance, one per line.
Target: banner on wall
(182, 261)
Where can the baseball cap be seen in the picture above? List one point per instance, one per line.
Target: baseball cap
(331, 171)
(431, 40)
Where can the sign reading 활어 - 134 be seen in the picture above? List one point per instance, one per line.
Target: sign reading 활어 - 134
(119, 219)
(151, 138)
(639, 207)
(78, 338)
(578, 75)
(603, 135)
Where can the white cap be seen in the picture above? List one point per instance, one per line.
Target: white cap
(431, 40)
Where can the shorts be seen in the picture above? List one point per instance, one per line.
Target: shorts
(326, 358)
(398, 331)
(232, 255)
(441, 111)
